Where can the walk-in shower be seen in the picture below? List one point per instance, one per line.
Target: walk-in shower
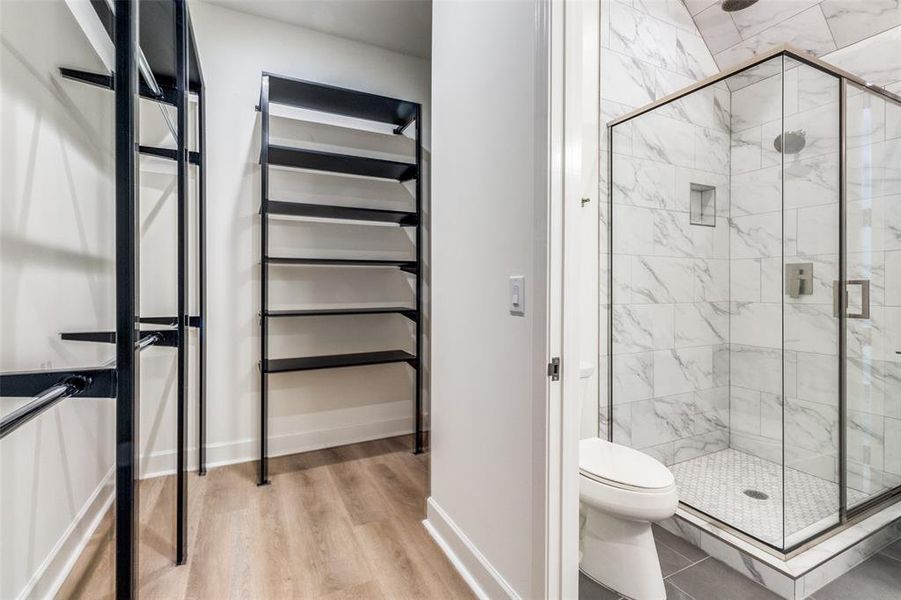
(754, 290)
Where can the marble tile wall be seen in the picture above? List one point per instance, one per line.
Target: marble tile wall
(670, 307)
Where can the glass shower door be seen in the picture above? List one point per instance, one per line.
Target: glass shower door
(872, 295)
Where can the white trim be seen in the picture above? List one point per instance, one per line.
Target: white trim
(52, 573)
(247, 450)
(484, 580)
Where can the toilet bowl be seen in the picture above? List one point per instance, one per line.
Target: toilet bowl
(621, 492)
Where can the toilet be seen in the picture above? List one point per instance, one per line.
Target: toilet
(621, 492)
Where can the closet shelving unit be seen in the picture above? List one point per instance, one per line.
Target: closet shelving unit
(401, 114)
(159, 63)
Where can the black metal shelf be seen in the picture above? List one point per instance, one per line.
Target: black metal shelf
(169, 154)
(410, 266)
(361, 105)
(409, 313)
(322, 211)
(340, 101)
(337, 361)
(107, 82)
(317, 160)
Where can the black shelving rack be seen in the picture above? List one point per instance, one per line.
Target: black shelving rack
(401, 114)
(155, 59)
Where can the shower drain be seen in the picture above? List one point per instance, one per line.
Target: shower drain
(756, 494)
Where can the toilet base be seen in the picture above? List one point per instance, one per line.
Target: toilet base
(620, 555)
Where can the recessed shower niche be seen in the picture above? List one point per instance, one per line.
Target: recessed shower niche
(738, 355)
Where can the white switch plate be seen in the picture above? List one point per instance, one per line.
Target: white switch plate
(517, 295)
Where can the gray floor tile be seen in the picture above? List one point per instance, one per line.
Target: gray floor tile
(589, 590)
(689, 551)
(674, 593)
(712, 580)
(877, 578)
(893, 550)
(670, 560)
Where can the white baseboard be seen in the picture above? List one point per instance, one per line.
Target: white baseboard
(475, 569)
(52, 573)
(229, 453)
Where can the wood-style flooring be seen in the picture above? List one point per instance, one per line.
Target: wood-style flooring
(338, 524)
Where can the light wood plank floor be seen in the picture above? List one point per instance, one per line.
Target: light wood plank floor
(338, 524)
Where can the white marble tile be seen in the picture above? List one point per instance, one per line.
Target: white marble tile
(818, 377)
(771, 416)
(853, 20)
(701, 324)
(662, 280)
(814, 226)
(642, 327)
(711, 150)
(696, 6)
(746, 154)
(810, 328)
(757, 236)
(767, 13)
(821, 128)
(771, 279)
(711, 280)
(664, 140)
(645, 183)
(757, 191)
(892, 430)
(627, 80)
(633, 230)
(756, 324)
(683, 370)
(745, 280)
(672, 12)
(757, 368)
(858, 58)
(633, 377)
(816, 88)
(672, 234)
(806, 30)
(707, 107)
(758, 103)
(865, 118)
(893, 278)
(811, 181)
(718, 28)
(744, 410)
(811, 426)
(700, 445)
(866, 385)
(662, 419)
(892, 120)
(866, 439)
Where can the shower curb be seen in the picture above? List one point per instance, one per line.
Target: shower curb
(803, 574)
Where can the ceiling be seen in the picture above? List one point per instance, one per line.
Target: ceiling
(403, 26)
(816, 26)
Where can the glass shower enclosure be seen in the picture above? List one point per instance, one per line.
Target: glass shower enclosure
(754, 289)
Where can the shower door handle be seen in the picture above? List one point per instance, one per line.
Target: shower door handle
(840, 301)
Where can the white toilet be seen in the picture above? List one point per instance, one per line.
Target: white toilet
(621, 492)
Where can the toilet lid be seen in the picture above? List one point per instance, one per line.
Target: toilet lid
(622, 465)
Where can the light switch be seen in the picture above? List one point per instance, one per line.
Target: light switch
(517, 295)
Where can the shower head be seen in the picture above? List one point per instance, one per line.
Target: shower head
(736, 5)
(790, 142)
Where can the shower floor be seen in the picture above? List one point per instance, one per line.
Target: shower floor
(716, 483)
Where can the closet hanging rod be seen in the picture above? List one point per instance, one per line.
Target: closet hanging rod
(56, 393)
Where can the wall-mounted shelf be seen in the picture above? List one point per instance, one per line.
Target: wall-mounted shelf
(276, 89)
(337, 361)
(410, 313)
(348, 213)
(330, 162)
(169, 154)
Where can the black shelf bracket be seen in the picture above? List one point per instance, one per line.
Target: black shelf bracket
(166, 337)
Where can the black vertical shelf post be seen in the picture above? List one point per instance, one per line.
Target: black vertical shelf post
(264, 281)
(181, 107)
(417, 441)
(127, 256)
(201, 273)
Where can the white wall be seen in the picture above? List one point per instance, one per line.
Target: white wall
(307, 410)
(490, 218)
(56, 274)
